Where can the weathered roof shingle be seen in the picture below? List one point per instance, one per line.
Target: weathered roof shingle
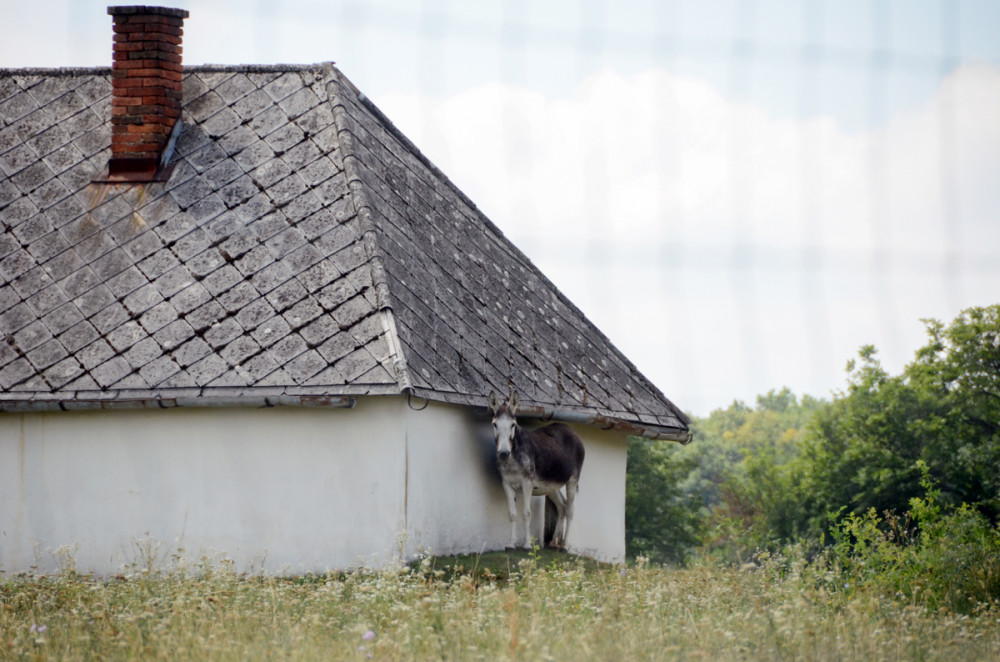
(301, 247)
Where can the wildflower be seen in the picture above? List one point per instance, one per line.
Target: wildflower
(39, 629)
(368, 636)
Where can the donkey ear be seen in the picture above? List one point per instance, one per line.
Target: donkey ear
(513, 402)
(494, 402)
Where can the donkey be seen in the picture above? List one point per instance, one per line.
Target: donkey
(533, 463)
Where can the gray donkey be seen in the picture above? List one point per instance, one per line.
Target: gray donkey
(534, 463)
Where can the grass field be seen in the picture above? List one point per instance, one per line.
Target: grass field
(494, 606)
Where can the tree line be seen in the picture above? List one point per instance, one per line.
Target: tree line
(885, 463)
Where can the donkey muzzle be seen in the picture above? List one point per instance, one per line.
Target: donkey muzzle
(503, 456)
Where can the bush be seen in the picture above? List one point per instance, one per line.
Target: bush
(937, 556)
(662, 522)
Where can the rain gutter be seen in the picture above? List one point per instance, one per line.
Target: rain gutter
(606, 422)
(44, 405)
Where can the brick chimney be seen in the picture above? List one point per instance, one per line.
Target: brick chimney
(146, 91)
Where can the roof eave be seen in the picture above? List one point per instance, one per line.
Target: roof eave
(655, 432)
(35, 405)
(582, 416)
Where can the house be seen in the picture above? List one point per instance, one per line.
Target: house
(242, 315)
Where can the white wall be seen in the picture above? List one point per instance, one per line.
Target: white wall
(282, 489)
(277, 489)
(598, 528)
(456, 504)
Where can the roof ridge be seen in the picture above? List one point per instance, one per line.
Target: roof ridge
(194, 68)
(256, 68)
(369, 236)
(54, 71)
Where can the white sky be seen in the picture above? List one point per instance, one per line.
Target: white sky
(739, 194)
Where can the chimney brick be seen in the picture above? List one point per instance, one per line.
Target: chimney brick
(146, 81)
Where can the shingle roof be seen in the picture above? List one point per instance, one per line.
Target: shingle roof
(302, 247)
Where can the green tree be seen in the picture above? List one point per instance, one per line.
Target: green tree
(865, 450)
(748, 474)
(961, 366)
(763, 476)
(662, 523)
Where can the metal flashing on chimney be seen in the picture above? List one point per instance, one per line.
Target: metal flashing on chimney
(146, 101)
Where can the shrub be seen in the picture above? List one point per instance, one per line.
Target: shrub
(662, 522)
(938, 556)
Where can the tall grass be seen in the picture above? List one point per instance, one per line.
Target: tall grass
(497, 607)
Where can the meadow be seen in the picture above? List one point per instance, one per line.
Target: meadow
(521, 606)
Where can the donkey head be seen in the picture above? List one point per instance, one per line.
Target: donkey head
(504, 424)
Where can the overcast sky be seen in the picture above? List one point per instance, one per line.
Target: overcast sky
(739, 194)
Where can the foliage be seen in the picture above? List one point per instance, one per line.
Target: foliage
(938, 556)
(743, 475)
(905, 468)
(780, 609)
(761, 495)
(732, 491)
(865, 450)
(661, 521)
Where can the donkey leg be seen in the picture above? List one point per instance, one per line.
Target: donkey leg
(571, 489)
(526, 493)
(559, 534)
(512, 514)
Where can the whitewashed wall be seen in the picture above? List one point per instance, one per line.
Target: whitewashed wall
(279, 490)
(284, 489)
(455, 502)
(598, 528)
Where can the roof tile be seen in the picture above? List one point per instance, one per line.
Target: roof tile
(159, 370)
(63, 319)
(205, 315)
(111, 371)
(222, 332)
(173, 334)
(271, 331)
(207, 369)
(190, 352)
(15, 373)
(63, 372)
